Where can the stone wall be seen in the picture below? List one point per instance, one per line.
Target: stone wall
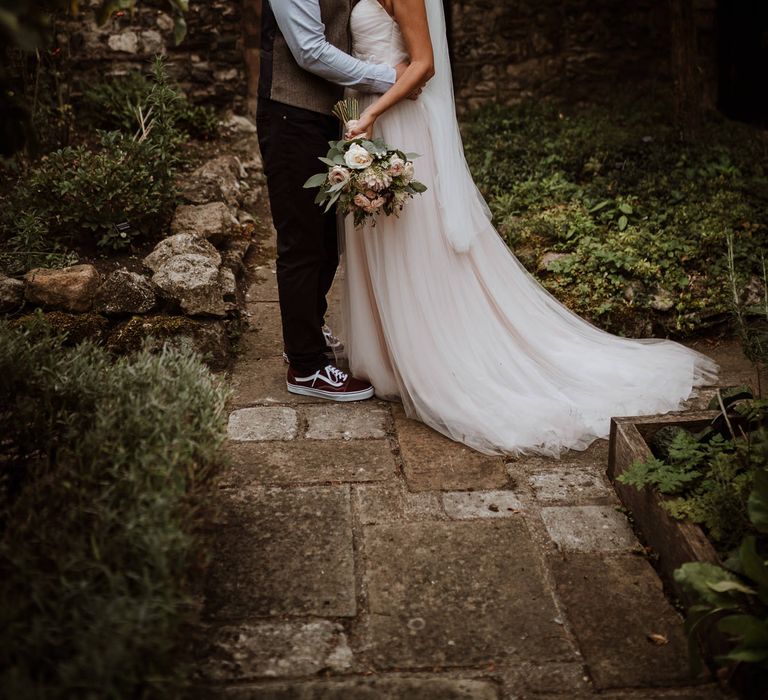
(502, 51)
(574, 49)
(208, 64)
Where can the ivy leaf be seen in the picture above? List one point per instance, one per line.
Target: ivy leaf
(417, 186)
(623, 221)
(179, 29)
(625, 208)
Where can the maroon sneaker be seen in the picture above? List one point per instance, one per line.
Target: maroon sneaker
(329, 383)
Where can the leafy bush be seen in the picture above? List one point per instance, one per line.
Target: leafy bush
(29, 246)
(735, 596)
(80, 194)
(103, 468)
(112, 104)
(641, 218)
(708, 475)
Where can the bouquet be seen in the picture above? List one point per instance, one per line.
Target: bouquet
(365, 176)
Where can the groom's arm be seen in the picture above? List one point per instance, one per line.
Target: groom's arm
(302, 27)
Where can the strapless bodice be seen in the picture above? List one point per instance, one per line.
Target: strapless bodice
(376, 38)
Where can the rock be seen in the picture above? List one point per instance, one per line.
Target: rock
(127, 42)
(632, 289)
(214, 181)
(212, 221)
(181, 244)
(125, 292)
(240, 124)
(227, 282)
(662, 299)
(192, 281)
(70, 288)
(152, 42)
(208, 337)
(546, 260)
(11, 294)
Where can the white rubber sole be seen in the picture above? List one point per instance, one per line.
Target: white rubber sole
(331, 395)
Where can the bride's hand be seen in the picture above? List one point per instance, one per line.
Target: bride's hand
(360, 127)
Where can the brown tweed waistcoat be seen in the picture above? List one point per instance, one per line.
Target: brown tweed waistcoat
(281, 79)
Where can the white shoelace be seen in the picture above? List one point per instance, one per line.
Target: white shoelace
(330, 339)
(336, 373)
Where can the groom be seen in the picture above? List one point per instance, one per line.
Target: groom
(305, 66)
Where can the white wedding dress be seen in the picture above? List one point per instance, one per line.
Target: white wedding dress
(439, 314)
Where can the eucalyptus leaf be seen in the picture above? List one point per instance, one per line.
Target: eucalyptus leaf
(316, 181)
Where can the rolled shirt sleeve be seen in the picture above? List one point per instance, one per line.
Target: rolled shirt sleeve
(302, 27)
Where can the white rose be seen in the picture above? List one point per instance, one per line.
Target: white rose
(408, 171)
(338, 174)
(396, 166)
(357, 157)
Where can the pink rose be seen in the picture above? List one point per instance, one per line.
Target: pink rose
(362, 201)
(338, 174)
(396, 166)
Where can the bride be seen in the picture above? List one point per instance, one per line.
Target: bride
(439, 314)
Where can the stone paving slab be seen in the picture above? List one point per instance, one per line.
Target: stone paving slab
(265, 339)
(368, 689)
(433, 462)
(291, 554)
(578, 485)
(261, 423)
(588, 529)
(286, 463)
(383, 503)
(572, 460)
(281, 649)
(567, 679)
(346, 421)
(470, 505)
(263, 382)
(458, 593)
(613, 604)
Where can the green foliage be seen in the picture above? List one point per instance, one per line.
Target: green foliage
(708, 476)
(79, 194)
(635, 211)
(735, 597)
(113, 103)
(29, 246)
(104, 467)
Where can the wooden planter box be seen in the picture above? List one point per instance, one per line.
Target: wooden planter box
(674, 542)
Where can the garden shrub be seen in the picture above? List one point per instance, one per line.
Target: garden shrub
(104, 464)
(641, 218)
(112, 103)
(78, 195)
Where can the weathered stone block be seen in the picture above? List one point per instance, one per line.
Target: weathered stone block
(180, 244)
(346, 421)
(262, 423)
(11, 294)
(70, 288)
(612, 626)
(383, 503)
(273, 650)
(124, 292)
(486, 573)
(574, 485)
(588, 528)
(287, 552)
(212, 221)
(432, 461)
(470, 505)
(299, 462)
(192, 281)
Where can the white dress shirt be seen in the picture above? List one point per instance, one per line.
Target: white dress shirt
(302, 27)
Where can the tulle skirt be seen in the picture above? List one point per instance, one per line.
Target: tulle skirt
(474, 346)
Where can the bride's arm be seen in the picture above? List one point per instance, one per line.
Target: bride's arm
(411, 15)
